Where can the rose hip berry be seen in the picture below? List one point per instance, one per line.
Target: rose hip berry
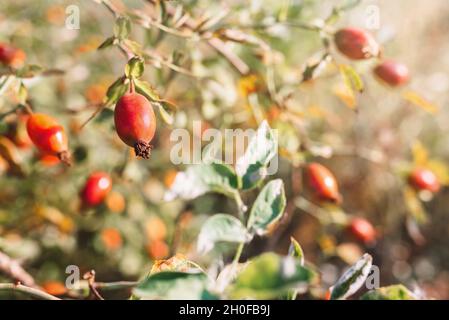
(11, 56)
(97, 187)
(323, 182)
(135, 122)
(356, 44)
(48, 136)
(424, 179)
(392, 73)
(362, 229)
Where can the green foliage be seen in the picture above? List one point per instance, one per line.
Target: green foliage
(269, 276)
(173, 286)
(394, 292)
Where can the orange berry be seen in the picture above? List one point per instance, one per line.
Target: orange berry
(323, 182)
(111, 239)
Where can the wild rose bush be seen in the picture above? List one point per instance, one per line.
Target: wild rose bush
(337, 194)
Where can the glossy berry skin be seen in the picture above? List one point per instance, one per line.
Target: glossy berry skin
(323, 183)
(11, 56)
(424, 179)
(135, 122)
(356, 44)
(363, 230)
(392, 73)
(47, 134)
(97, 187)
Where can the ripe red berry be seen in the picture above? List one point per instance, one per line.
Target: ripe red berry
(135, 122)
(392, 73)
(11, 56)
(424, 179)
(97, 187)
(48, 135)
(323, 182)
(356, 44)
(362, 229)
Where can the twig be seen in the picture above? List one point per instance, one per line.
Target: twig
(90, 277)
(100, 108)
(32, 292)
(215, 43)
(13, 270)
(115, 285)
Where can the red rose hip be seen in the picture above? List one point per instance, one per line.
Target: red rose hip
(424, 179)
(323, 183)
(11, 56)
(392, 73)
(97, 187)
(48, 136)
(362, 229)
(356, 44)
(135, 122)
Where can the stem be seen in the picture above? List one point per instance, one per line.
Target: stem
(7, 113)
(238, 254)
(131, 86)
(32, 292)
(114, 285)
(241, 207)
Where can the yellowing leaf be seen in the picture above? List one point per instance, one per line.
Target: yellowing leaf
(346, 96)
(248, 84)
(351, 78)
(415, 206)
(178, 262)
(440, 169)
(420, 154)
(53, 215)
(419, 101)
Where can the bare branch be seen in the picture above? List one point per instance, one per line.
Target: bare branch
(14, 270)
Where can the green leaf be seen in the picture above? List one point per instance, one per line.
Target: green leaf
(167, 285)
(202, 178)
(351, 78)
(22, 93)
(116, 91)
(29, 71)
(221, 228)
(261, 149)
(106, 114)
(268, 207)
(106, 43)
(394, 292)
(269, 276)
(146, 89)
(166, 110)
(353, 279)
(134, 47)
(134, 68)
(122, 28)
(295, 251)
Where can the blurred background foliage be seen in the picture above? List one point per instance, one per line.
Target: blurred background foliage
(368, 140)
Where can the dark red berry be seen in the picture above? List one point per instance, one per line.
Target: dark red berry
(392, 73)
(11, 56)
(135, 122)
(356, 44)
(424, 179)
(97, 187)
(363, 230)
